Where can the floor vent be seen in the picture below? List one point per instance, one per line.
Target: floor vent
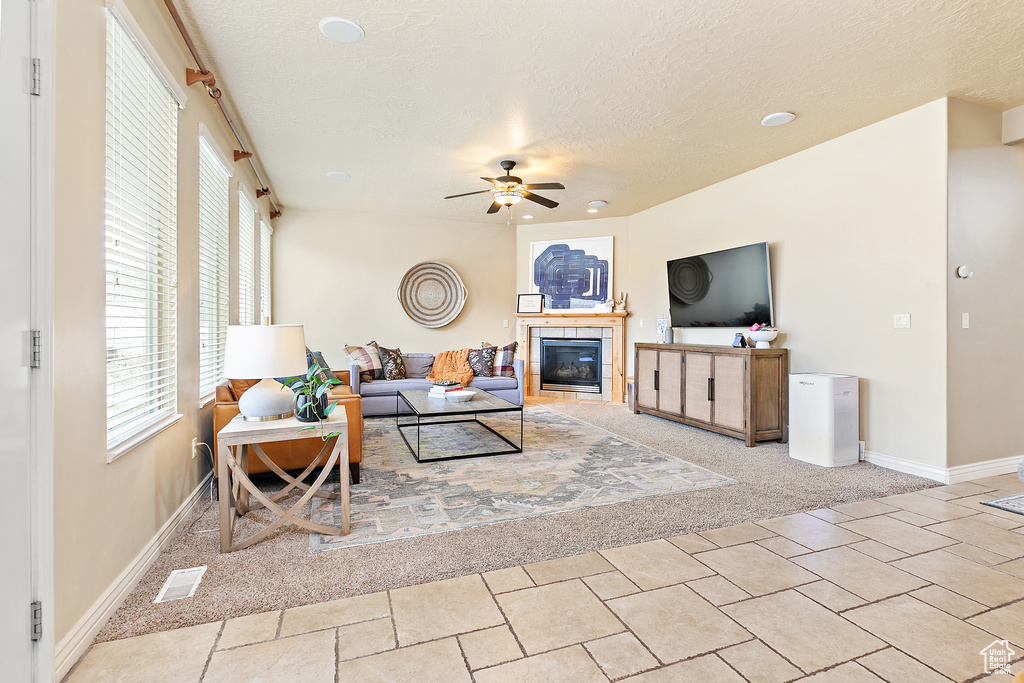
(182, 583)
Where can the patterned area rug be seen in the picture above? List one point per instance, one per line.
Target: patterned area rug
(1014, 503)
(566, 464)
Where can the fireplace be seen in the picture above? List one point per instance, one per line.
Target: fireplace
(570, 365)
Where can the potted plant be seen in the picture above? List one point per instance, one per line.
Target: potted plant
(312, 394)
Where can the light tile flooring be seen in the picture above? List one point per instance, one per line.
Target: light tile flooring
(904, 588)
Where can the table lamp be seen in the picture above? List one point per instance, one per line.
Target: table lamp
(264, 352)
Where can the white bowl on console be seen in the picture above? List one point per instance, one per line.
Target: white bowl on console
(460, 396)
(764, 338)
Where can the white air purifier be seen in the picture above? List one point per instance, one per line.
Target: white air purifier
(824, 419)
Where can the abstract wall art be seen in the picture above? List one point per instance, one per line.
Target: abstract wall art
(572, 273)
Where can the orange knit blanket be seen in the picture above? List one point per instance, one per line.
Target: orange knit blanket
(452, 365)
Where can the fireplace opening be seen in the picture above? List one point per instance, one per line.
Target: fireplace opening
(570, 365)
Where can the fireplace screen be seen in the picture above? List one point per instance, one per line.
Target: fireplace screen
(570, 365)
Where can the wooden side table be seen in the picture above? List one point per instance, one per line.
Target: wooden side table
(235, 487)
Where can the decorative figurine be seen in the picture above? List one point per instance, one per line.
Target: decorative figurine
(620, 303)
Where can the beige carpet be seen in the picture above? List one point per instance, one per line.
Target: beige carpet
(281, 572)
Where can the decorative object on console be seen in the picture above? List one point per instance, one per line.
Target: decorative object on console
(738, 342)
(432, 294)
(572, 274)
(392, 362)
(368, 359)
(265, 352)
(763, 336)
(530, 303)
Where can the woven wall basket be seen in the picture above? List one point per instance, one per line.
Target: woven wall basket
(432, 294)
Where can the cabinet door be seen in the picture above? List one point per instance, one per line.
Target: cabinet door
(696, 405)
(670, 377)
(729, 391)
(646, 367)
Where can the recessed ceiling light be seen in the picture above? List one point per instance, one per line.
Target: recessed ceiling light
(338, 175)
(527, 217)
(598, 203)
(779, 118)
(591, 210)
(341, 30)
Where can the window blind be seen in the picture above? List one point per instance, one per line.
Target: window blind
(265, 233)
(246, 260)
(214, 196)
(140, 240)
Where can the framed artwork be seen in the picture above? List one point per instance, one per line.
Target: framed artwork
(530, 303)
(572, 273)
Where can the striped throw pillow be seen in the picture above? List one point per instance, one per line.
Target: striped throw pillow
(503, 360)
(368, 359)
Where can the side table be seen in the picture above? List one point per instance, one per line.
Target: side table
(235, 487)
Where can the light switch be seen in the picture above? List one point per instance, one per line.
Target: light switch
(965, 320)
(505, 323)
(641, 323)
(901, 321)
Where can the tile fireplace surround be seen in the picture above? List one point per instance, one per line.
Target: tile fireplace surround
(609, 327)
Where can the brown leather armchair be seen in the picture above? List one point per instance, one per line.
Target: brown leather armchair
(290, 455)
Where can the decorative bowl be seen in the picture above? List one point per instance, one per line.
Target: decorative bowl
(763, 338)
(460, 396)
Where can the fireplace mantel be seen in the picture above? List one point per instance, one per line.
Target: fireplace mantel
(616, 322)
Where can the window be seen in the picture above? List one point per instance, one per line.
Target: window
(140, 240)
(265, 232)
(246, 260)
(214, 195)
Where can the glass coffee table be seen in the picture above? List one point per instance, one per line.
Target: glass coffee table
(450, 430)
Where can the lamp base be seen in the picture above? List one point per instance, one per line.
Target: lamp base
(267, 400)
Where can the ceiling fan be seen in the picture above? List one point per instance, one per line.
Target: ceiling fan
(509, 190)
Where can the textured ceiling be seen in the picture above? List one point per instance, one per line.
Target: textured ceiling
(634, 103)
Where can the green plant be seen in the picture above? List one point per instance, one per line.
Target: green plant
(314, 388)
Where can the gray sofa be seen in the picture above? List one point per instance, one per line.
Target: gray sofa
(380, 397)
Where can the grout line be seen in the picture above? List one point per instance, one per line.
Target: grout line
(337, 655)
(280, 623)
(209, 657)
(391, 615)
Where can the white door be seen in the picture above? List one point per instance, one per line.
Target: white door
(15, 308)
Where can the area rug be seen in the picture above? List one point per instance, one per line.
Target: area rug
(1014, 503)
(566, 464)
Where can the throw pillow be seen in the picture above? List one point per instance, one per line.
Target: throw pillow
(503, 366)
(367, 358)
(394, 366)
(482, 361)
(325, 370)
(418, 364)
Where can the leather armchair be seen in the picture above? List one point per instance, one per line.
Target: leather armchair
(290, 455)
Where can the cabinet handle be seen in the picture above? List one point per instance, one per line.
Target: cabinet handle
(655, 380)
(711, 388)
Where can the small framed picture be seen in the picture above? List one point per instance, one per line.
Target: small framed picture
(530, 303)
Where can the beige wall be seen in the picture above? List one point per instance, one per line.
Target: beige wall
(338, 275)
(857, 232)
(986, 233)
(105, 514)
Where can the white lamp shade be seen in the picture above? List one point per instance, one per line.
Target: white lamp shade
(262, 351)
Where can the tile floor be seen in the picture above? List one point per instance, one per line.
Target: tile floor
(904, 588)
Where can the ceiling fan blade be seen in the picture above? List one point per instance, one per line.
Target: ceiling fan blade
(490, 180)
(543, 201)
(544, 186)
(494, 207)
(465, 194)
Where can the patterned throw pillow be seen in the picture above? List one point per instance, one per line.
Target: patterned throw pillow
(482, 361)
(394, 366)
(368, 359)
(503, 366)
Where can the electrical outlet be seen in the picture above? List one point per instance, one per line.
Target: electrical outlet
(965, 320)
(195, 445)
(641, 323)
(504, 323)
(901, 321)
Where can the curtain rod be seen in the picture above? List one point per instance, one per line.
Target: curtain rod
(203, 75)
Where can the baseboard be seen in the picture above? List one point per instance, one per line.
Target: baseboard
(919, 469)
(72, 646)
(946, 475)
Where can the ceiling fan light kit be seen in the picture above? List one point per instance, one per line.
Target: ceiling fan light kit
(509, 190)
(507, 197)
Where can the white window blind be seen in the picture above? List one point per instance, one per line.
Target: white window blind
(214, 196)
(265, 234)
(246, 260)
(140, 240)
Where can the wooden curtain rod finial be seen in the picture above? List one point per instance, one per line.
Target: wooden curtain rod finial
(262, 192)
(192, 77)
(275, 214)
(239, 155)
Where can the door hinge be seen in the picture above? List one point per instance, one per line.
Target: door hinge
(37, 69)
(36, 350)
(37, 620)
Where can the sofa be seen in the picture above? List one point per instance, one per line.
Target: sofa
(380, 397)
(292, 455)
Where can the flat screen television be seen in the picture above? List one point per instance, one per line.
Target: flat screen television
(728, 288)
